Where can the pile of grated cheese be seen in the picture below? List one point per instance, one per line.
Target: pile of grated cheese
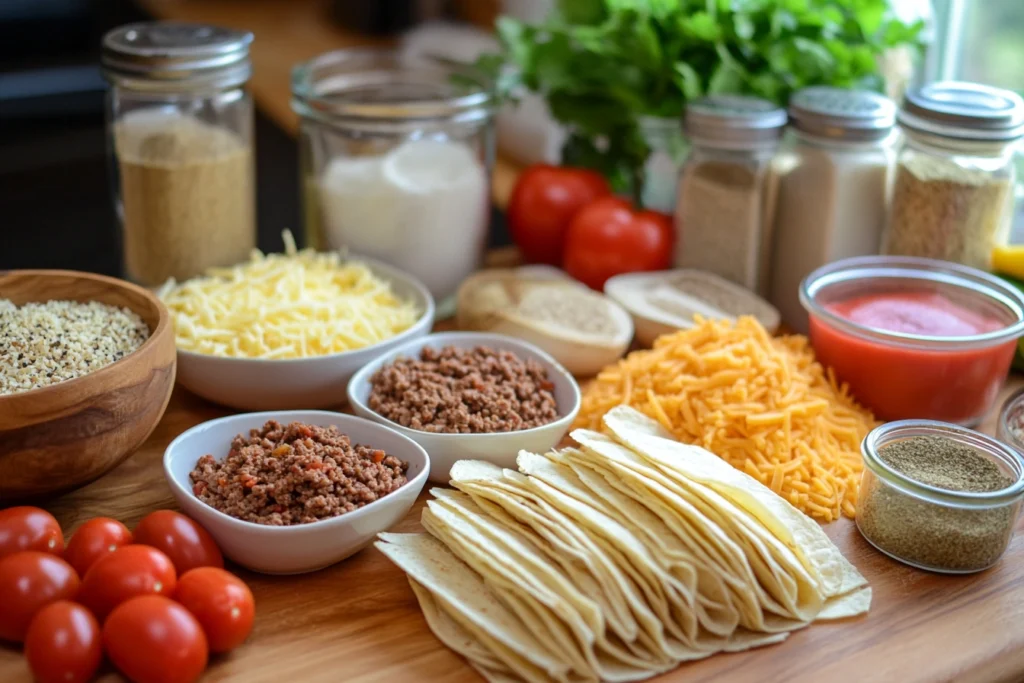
(761, 403)
(292, 305)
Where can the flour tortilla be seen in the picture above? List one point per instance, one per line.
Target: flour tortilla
(797, 531)
(465, 597)
(787, 594)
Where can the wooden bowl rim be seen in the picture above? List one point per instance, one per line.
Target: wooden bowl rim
(162, 326)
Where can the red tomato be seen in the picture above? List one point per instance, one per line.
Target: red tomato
(29, 581)
(63, 644)
(221, 603)
(152, 639)
(607, 237)
(93, 540)
(29, 528)
(127, 572)
(185, 542)
(542, 205)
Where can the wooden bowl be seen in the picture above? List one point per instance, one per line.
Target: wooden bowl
(57, 438)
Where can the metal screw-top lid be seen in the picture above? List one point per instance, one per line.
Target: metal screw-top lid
(177, 52)
(734, 122)
(841, 114)
(964, 111)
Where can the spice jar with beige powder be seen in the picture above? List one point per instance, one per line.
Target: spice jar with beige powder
(727, 188)
(180, 124)
(833, 183)
(953, 190)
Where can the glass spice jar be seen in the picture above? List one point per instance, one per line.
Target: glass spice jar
(179, 123)
(726, 193)
(396, 153)
(933, 528)
(953, 192)
(833, 186)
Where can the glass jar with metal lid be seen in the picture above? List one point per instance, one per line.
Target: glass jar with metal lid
(180, 122)
(727, 188)
(953, 191)
(396, 153)
(833, 180)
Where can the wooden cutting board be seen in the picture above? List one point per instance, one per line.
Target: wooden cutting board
(359, 621)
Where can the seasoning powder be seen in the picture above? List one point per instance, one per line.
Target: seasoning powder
(725, 211)
(943, 211)
(930, 535)
(187, 192)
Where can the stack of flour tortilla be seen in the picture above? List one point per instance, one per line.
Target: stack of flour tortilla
(617, 560)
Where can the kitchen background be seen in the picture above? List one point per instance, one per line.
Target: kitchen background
(55, 202)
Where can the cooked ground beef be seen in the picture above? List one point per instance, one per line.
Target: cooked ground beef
(464, 391)
(295, 475)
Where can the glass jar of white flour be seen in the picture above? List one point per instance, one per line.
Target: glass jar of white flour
(396, 154)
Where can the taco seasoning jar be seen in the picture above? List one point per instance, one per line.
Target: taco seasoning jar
(396, 153)
(937, 496)
(833, 185)
(953, 192)
(727, 188)
(180, 120)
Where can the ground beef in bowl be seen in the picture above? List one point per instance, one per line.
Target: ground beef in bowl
(295, 475)
(464, 391)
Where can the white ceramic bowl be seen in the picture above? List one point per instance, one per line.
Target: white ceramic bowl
(299, 383)
(499, 448)
(302, 547)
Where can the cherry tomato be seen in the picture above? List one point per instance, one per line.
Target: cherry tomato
(29, 528)
(542, 205)
(185, 542)
(221, 603)
(127, 572)
(152, 639)
(29, 581)
(63, 644)
(93, 540)
(608, 237)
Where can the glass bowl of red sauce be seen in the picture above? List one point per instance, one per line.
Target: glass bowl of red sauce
(914, 338)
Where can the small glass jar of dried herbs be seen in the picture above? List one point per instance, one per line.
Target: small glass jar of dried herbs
(938, 496)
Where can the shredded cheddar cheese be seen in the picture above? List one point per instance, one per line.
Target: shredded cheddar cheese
(292, 305)
(763, 404)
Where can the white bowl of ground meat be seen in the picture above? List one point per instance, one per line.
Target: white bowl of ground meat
(288, 492)
(469, 396)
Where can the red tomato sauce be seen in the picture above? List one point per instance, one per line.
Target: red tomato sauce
(897, 382)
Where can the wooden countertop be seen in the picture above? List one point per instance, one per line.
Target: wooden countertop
(287, 32)
(359, 621)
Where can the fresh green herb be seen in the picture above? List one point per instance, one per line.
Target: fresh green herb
(604, 64)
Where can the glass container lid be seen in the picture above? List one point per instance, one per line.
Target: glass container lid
(177, 52)
(734, 122)
(842, 114)
(965, 111)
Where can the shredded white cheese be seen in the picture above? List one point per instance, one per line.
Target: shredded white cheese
(292, 305)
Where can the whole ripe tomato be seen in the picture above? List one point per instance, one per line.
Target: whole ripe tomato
(542, 205)
(128, 572)
(175, 535)
(608, 237)
(63, 644)
(29, 528)
(221, 603)
(152, 639)
(93, 540)
(29, 581)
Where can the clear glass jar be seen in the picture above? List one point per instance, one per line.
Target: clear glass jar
(933, 528)
(833, 186)
(727, 189)
(396, 154)
(668, 150)
(180, 125)
(954, 181)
